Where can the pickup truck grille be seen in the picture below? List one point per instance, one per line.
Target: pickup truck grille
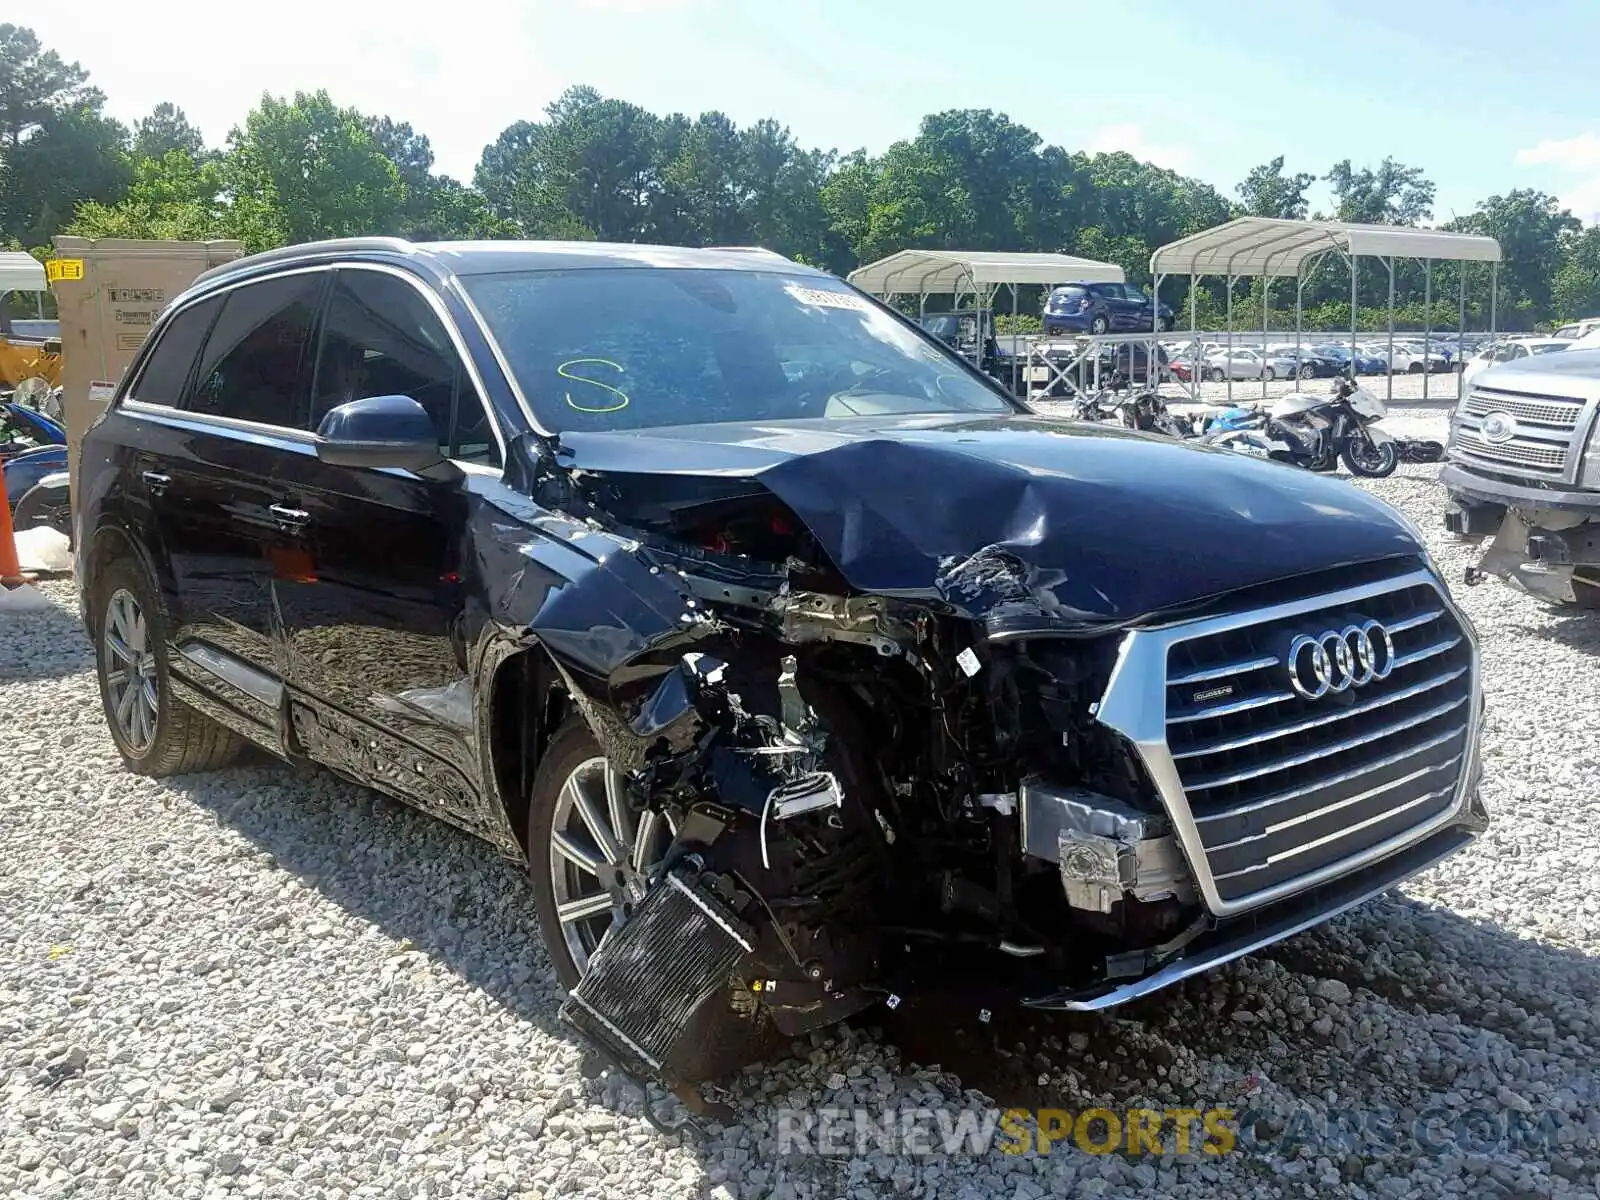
(1556, 413)
(1524, 452)
(1545, 429)
(1272, 791)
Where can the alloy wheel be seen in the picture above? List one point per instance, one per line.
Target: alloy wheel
(600, 856)
(130, 671)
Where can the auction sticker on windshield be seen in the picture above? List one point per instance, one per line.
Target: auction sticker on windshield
(825, 299)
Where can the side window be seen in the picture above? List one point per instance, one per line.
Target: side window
(252, 366)
(382, 338)
(166, 370)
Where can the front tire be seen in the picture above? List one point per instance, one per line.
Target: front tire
(1216, 375)
(587, 853)
(1308, 372)
(1099, 325)
(156, 733)
(1371, 460)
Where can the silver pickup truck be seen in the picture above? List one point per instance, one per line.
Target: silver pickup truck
(1523, 473)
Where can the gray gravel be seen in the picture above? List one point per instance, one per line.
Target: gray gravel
(268, 983)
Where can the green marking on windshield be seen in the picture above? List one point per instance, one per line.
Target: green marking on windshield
(622, 396)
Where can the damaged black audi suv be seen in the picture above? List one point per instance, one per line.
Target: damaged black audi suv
(801, 663)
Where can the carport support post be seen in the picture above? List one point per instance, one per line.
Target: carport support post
(1229, 369)
(1427, 323)
(1461, 333)
(1494, 296)
(1353, 263)
(1266, 303)
(1195, 365)
(1299, 298)
(1391, 329)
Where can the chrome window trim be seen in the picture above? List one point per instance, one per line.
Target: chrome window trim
(1135, 705)
(306, 436)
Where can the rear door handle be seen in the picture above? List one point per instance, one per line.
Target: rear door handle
(289, 519)
(156, 482)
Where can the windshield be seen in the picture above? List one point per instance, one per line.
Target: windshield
(631, 348)
(1547, 347)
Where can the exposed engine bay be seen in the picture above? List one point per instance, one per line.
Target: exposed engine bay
(862, 790)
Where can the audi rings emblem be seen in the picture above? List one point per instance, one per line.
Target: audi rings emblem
(1337, 660)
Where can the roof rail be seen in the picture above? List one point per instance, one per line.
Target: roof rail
(750, 250)
(307, 250)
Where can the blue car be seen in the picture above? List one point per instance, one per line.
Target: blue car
(1100, 308)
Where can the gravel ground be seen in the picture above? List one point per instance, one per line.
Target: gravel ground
(268, 983)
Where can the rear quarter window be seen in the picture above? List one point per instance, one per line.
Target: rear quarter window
(166, 369)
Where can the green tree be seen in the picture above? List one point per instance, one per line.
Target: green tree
(328, 175)
(1394, 194)
(1268, 192)
(35, 85)
(1531, 228)
(166, 128)
(72, 157)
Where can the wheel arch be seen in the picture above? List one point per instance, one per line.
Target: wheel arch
(525, 702)
(112, 543)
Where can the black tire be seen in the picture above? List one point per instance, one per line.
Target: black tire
(572, 745)
(182, 740)
(1383, 459)
(43, 504)
(1307, 371)
(1272, 373)
(727, 1032)
(1099, 325)
(1416, 368)
(1217, 375)
(1166, 324)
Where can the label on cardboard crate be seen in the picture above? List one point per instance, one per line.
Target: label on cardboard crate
(130, 341)
(101, 392)
(57, 269)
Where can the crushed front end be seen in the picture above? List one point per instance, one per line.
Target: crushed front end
(868, 793)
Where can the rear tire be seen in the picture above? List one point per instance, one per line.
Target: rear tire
(43, 504)
(155, 733)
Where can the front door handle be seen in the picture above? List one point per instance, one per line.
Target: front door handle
(289, 519)
(156, 482)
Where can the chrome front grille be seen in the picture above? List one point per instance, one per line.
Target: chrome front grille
(1546, 456)
(1272, 792)
(1551, 411)
(1546, 428)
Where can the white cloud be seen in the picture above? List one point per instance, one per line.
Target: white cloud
(1131, 138)
(1581, 153)
(1578, 158)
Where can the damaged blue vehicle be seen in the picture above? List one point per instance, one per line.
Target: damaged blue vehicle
(801, 664)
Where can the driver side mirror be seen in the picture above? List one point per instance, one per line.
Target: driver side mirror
(383, 432)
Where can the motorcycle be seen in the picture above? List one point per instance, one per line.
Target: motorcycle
(1149, 413)
(1314, 432)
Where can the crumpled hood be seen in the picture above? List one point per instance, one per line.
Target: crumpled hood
(1016, 517)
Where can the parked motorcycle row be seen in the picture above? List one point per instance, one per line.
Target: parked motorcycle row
(33, 457)
(1315, 431)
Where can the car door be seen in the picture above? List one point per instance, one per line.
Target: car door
(209, 469)
(372, 610)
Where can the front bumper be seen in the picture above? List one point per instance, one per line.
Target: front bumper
(1261, 928)
(1463, 483)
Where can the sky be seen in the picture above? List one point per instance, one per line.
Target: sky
(1483, 96)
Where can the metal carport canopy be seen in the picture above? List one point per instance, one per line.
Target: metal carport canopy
(1269, 246)
(921, 272)
(21, 272)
